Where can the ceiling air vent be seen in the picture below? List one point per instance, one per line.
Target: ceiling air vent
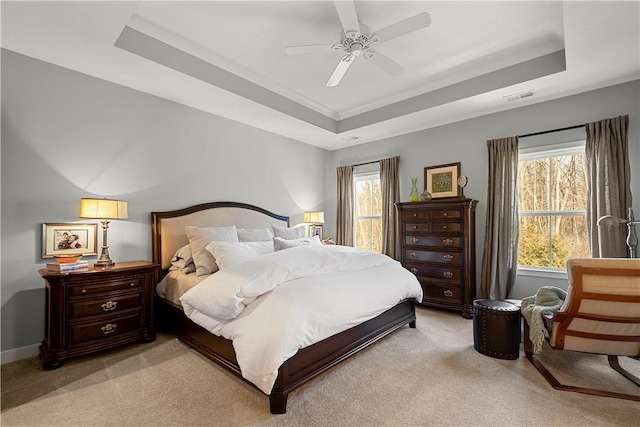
(350, 138)
(518, 96)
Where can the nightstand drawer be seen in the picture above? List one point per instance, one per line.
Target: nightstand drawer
(105, 305)
(83, 332)
(451, 274)
(106, 286)
(433, 256)
(453, 242)
(446, 227)
(441, 292)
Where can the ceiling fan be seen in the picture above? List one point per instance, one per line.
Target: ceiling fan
(357, 41)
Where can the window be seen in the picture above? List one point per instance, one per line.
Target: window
(368, 211)
(552, 200)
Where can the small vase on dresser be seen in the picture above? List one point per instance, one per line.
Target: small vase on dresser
(437, 244)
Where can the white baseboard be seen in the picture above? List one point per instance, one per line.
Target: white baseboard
(19, 353)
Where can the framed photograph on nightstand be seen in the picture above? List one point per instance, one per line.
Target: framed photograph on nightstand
(67, 238)
(315, 230)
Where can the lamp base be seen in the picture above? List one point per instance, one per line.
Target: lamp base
(105, 259)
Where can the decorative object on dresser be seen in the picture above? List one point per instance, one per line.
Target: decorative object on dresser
(437, 244)
(69, 238)
(414, 190)
(96, 309)
(103, 209)
(315, 221)
(442, 180)
(68, 266)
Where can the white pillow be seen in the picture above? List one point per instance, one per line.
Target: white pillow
(279, 243)
(289, 233)
(228, 253)
(199, 238)
(255, 234)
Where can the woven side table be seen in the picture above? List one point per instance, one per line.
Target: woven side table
(496, 328)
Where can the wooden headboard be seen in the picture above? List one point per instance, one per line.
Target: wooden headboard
(167, 228)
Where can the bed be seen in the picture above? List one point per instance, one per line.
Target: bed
(168, 235)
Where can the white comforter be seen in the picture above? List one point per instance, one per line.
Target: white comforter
(278, 303)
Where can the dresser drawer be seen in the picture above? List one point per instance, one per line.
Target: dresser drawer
(106, 286)
(416, 215)
(446, 227)
(104, 305)
(453, 242)
(451, 274)
(442, 214)
(441, 292)
(416, 226)
(433, 256)
(89, 331)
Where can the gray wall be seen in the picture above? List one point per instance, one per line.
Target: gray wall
(66, 135)
(465, 142)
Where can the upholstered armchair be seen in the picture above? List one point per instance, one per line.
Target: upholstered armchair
(601, 315)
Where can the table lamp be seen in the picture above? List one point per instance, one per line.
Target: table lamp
(315, 219)
(103, 209)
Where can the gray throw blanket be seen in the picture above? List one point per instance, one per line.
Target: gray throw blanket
(547, 300)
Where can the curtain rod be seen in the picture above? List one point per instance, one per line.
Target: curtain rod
(551, 131)
(367, 163)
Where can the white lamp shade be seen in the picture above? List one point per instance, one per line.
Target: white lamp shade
(313, 217)
(103, 209)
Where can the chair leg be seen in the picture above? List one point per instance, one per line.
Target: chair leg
(615, 364)
(551, 379)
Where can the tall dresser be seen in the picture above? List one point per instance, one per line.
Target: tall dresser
(437, 244)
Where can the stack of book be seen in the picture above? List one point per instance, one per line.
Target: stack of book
(66, 267)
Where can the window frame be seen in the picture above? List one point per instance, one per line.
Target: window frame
(543, 152)
(364, 175)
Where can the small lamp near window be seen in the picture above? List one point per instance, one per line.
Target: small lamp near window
(315, 221)
(612, 221)
(103, 209)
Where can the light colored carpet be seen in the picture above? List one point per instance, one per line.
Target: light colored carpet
(429, 376)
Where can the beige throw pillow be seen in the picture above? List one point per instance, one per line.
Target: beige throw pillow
(199, 238)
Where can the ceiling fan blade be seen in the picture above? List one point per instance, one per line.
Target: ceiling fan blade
(313, 48)
(417, 22)
(340, 70)
(385, 63)
(347, 14)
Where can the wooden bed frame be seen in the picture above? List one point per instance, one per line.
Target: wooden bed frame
(308, 362)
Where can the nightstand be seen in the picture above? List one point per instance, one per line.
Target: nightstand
(97, 309)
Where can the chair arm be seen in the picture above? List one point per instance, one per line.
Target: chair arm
(555, 317)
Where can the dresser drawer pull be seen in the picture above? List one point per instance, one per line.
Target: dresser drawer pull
(414, 240)
(109, 305)
(109, 328)
(448, 258)
(414, 270)
(447, 274)
(444, 214)
(415, 214)
(447, 242)
(444, 227)
(413, 255)
(83, 291)
(415, 227)
(133, 284)
(448, 293)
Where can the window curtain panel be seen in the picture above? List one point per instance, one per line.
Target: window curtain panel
(500, 257)
(345, 202)
(609, 175)
(390, 186)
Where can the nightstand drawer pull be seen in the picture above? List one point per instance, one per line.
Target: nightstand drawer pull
(444, 214)
(415, 214)
(447, 274)
(444, 227)
(83, 291)
(414, 240)
(448, 258)
(447, 242)
(413, 255)
(415, 227)
(133, 284)
(414, 270)
(448, 293)
(109, 305)
(109, 328)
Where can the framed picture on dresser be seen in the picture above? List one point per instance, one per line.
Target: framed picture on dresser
(442, 180)
(65, 238)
